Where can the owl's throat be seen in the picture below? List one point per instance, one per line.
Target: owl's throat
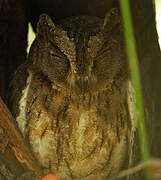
(81, 85)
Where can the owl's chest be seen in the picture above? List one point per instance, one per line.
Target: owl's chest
(70, 139)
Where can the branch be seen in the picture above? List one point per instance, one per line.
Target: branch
(10, 135)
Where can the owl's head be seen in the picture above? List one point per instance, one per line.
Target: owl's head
(80, 53)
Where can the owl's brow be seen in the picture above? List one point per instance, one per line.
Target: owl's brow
(66, 46)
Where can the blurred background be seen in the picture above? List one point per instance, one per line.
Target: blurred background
(31, 34)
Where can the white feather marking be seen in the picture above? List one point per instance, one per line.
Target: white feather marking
(43, 147)
(21, 119)
(132, 105)
(133, 116)
(84, 119)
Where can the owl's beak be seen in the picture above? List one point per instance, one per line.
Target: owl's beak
(82, 84)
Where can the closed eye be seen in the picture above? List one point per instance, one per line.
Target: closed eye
(55, 55)
(55, 52)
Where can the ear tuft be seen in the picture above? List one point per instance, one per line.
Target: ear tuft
(45, 24)
(112, 18)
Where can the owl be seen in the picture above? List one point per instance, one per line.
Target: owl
(72, 99)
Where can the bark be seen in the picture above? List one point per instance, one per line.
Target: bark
(13, 148)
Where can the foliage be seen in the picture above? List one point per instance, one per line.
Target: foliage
(135, 78)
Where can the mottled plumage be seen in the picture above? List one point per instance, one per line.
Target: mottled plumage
(72, 99)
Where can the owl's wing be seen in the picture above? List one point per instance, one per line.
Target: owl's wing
(16, 86)
(13, 145)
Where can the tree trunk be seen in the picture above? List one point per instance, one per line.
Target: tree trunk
(13, 39)
(13, 146)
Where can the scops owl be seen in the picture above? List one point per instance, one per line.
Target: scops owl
(71, 98)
